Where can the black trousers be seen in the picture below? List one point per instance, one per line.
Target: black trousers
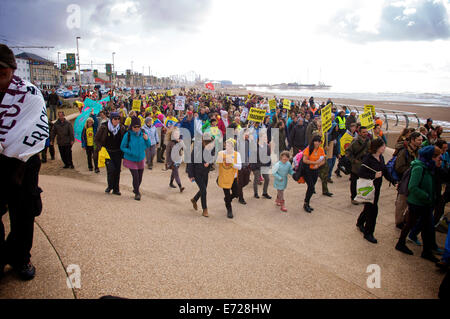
(426, 220)
(51, 148)
(90, 153)
(311, 176)
(202, 183)
(113, 167)
(66, 154)
(23, 203)
(230, 194)
(353, 180)
(368, 218)
(137, 179)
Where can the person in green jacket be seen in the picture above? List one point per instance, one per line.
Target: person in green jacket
(421, 200)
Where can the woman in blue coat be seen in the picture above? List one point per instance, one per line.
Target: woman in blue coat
(133, 146)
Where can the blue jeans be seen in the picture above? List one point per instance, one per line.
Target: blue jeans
(331, 162)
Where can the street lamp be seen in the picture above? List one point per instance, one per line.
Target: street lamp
(79, 67)
(113, 75)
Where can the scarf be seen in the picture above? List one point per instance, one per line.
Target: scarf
(24, 120)
(113, 129)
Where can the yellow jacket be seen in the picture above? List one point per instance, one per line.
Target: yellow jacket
(228, 171)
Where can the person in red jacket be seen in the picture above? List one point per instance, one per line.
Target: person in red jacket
(223, 122)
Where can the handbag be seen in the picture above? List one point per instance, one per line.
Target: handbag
(365, 189)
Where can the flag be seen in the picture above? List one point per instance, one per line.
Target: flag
(209, 86)
(158, 123)
(206, 126)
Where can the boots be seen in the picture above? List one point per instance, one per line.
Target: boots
(307, 208)
(194, 204)
(283, 208)
(205, 212)
(229, 210)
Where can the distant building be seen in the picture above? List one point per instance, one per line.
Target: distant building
(23, 69)
(226, 83)
(43, 73)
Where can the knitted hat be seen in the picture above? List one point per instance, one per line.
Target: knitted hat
(113, 115)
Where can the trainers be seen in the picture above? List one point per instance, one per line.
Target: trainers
(267, 196)
(257, 196)
(172, 186)
(328, 194)
(26, 271)
(137, 196)
(108, 190)
(117, 193)
(404, 249)
(415, 241)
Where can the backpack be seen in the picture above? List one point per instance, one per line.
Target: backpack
(404, 182)
(390, 166)
(299, 167)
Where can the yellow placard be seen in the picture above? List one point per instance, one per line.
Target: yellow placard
(366, 120)
(169, 93)
(79, 104)
(286, 104)
(136, 105)
(256, 115)
(370, 108)
(273, 104)
(326, 118)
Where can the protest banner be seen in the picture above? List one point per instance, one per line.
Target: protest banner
(136, 105)
(366, 120)
(287, 104)
(180, 102)
(256, 115)
(326, 118)
(169, 93)
(273, 104)
(370, 108)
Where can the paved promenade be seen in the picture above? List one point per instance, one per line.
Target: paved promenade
(161, 248)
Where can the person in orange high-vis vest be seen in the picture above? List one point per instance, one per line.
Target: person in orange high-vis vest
(229, 162)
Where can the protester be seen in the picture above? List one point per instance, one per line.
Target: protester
(152, 134)
(357, 150)
(110, 135)
(198, 172)
(403, 162)
(261, 165)
(429, 125)
(372, 167)
(20, 194)
(421, 200)
(298, 136)
(229, 162)
(87, 141)
(63, 130)
(280, 171)
(53, 102)
(243, 147)
(134, 144)
(51, 148)
(314, 158)
(173, 158)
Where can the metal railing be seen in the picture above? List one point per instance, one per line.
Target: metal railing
(386, 113)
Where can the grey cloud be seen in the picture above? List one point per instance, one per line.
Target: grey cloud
(44, 21)
(429, 22)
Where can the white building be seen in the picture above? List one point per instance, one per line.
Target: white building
(23, 69)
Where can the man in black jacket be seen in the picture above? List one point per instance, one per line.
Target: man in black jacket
(53, 101)
(63, 130)
(297, 137)
(21, 139)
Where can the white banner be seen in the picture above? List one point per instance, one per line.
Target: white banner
(180, 102)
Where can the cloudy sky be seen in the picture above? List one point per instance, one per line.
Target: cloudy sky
(356, 46)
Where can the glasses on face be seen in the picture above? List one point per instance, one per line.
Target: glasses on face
(136, 126)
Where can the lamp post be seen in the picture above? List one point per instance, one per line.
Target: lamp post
(79, 66)
(113, 75)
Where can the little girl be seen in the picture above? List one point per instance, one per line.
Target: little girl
(280, 171)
